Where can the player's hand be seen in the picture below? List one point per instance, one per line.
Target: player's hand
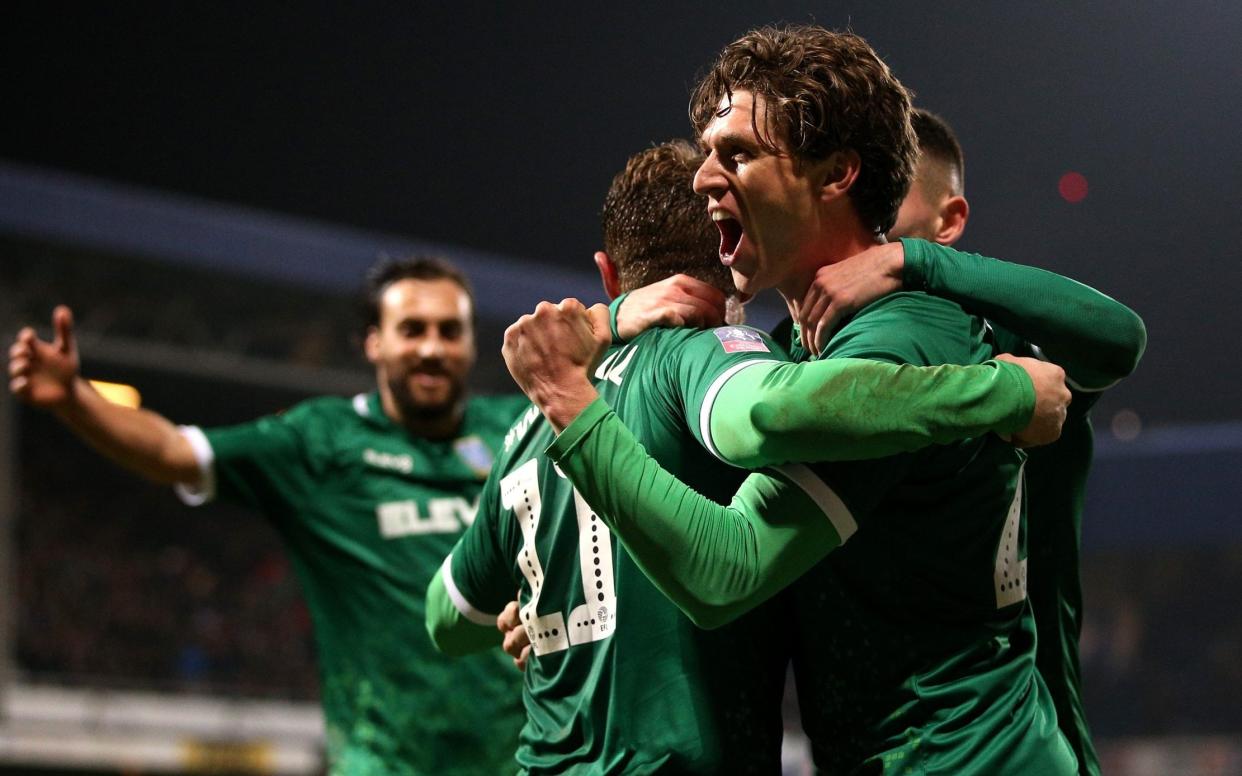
(42, 373)
(1052, 399)
(516, 642)
(679, 300)
(551, 352)
(842, 289)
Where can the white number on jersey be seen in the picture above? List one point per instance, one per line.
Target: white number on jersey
(1010, 573)
(596, 617)
(613, 368)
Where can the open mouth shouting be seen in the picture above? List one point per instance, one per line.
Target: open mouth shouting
(731, 234)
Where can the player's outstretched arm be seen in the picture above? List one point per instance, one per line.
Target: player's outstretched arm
(853, 409)
(46, 375)
(713, 562)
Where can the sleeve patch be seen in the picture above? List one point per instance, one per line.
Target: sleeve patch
(738, 339)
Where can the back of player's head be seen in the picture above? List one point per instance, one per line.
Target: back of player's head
(938, 142)
(389, 270)
(826, 92)
(655, 225)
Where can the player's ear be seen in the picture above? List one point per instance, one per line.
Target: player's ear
(839, 171)
(608, 274)
(953, 216)
(371, 345)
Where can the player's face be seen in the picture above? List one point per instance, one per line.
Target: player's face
(764, 204)
(423, 347)
(918, 215)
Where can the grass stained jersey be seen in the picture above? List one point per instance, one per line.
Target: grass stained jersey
(622, 681)
(367, 512)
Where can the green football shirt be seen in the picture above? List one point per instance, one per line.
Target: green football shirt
(915, 645)
(622, 681)
(1056, 478)
(716, 561)
(1098, 341)
(367, 512)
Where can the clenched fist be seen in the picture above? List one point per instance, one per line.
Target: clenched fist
(551, 352)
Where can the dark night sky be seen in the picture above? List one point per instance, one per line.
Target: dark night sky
(499, 129)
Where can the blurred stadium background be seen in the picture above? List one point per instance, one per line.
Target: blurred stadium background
(204, 185)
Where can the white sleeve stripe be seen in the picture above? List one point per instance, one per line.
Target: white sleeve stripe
(709, 400)
(828, 501)
(205, 490)
(469, 612)
(1035, 350)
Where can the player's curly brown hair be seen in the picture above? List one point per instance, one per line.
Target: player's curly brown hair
(826, 91)
(655, 225)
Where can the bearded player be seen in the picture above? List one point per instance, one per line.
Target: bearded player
(367, 495)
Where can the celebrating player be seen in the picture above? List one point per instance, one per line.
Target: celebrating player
(914, 644)
(368, 495)
(637, 684)
(1056, 475)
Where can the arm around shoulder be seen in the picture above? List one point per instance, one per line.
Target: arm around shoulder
(1097, 339)
(856, 409)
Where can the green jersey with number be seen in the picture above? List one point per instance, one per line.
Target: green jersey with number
(915, 645)
(367, 512)
(622, 681)
(1056, 478)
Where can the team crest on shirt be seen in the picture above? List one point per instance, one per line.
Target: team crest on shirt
(738, 339)
(475, 454)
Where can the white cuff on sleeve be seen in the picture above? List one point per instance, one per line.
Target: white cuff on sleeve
(463, 606)
(196, 494)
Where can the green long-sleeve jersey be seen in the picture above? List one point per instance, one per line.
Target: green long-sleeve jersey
(1096, 339)
(1099, 342)
(928, 590)
(663, 382)
(621, 681)
(367, 512)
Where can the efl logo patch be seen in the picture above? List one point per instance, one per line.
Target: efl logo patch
(735, 339)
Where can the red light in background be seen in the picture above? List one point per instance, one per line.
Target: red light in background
(1073, 187)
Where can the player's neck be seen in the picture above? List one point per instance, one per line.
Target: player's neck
(832, 247)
